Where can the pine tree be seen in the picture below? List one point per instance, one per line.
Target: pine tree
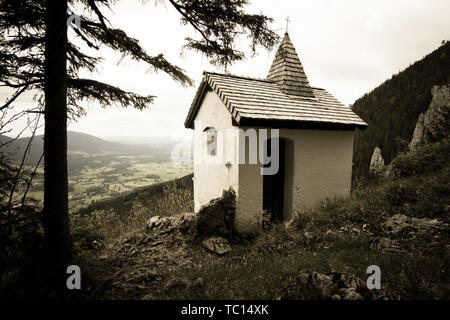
(35, 54)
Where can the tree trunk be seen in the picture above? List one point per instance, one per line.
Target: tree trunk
(56, 211)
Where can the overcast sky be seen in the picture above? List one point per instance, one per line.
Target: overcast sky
(347, 47)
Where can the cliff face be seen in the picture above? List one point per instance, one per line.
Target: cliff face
(434, 124)
(393, 108)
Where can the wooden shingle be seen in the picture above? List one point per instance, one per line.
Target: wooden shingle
(259, 99)
(287, 71)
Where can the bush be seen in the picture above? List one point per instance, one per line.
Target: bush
(425, 159)
(399, 193)
(110, 219)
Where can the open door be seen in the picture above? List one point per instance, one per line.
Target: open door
(273, 186)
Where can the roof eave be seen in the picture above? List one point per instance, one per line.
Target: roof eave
(195, 106)
(296, 124)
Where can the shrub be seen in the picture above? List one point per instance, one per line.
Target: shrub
(425, 159)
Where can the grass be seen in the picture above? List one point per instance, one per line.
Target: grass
(268, 266)
(275, 275)
(117, 217)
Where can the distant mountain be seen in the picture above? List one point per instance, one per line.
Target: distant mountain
(78, 142)
(392, 109)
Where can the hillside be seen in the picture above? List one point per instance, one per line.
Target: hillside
(392, 109)
(78, 142)
(98, 168)
(400, 224)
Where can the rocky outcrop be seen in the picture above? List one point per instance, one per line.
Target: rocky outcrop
(377, 166)
(400, 223)
(184, 222)
(434, 124)
(217, 217)
(422, 236)
(217, 245)
(335, 286)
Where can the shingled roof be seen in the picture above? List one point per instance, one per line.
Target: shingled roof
(283, 100)
(287, 71)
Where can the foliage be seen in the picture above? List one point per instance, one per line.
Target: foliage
(22, 44)
(392, 109)
(115, 217)
(36, 54)
(22, 253)
(425, 159)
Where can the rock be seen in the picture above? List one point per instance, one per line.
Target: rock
(217, 245)
(154, 222)
(183, 222)
(386, 243)
(377, 166)
(350, 294)
(400, 222)
(396, 223)
(335, 286)
(434, 124)
(323, 283)
(427, 223)
(418, 135)
(217, 217)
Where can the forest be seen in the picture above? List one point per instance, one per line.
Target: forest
(392, 109)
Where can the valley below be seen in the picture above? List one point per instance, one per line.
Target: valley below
(100, 169)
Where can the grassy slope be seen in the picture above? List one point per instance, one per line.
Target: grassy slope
(268, 268)
(340, 235)
(107, 220)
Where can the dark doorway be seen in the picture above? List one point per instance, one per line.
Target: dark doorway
(273, 185)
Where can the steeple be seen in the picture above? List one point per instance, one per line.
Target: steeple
(287, 71)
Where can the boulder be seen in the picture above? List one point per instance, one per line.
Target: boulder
(217, 245)
(377, 166)
(217, 217)
(184, 222)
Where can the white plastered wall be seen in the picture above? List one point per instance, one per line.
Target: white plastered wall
(320, 167)
(211, 175)
(322, 164)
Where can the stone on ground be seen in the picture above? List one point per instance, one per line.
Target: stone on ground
(217, 245)
(183, 222)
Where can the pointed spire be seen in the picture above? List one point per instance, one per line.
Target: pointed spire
(287, 71)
